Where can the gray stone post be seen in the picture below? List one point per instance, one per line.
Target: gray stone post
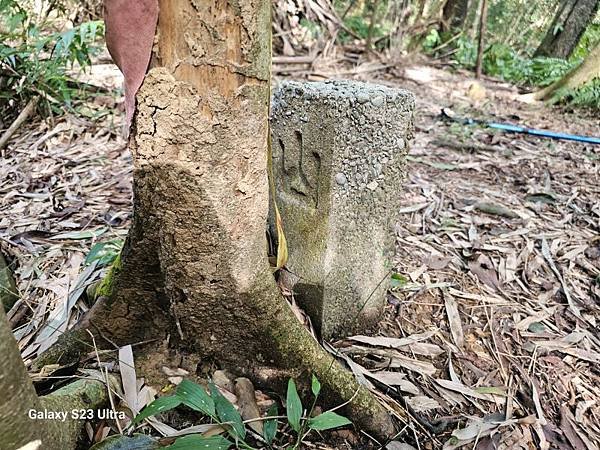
(339, 154)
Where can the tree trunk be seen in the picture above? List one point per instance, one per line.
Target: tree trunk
(16, 427)
(566, 29)
(481, 45)
(454, 14)
(194, 271)
(585, 72)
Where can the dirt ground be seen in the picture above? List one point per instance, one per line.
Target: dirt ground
(497, 288)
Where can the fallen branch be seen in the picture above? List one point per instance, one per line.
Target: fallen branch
(21, 118)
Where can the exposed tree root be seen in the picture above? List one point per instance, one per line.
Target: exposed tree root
(20, 402)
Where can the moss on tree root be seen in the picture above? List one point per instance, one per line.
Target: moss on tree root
(17, 428)
(8, 288)
(69, 347)
(80, 395)
(293, 348)
(106, 286)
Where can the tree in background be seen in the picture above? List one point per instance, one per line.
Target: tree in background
(454, 14)
(569, 24)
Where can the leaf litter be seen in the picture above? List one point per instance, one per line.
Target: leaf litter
(501, 266)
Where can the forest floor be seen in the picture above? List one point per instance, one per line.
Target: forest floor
(495, 308)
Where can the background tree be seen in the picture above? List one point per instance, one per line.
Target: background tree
(454, 14)
(569, 24)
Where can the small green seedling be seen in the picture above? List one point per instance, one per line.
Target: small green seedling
(221, 411)
(303, 425)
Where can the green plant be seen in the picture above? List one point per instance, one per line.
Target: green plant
(587, 95)
(587, 42)
(220, 410)
(466, 52)
(502, 61)
(304, 425)
(34, 60)
(431, 41)
(104, 252)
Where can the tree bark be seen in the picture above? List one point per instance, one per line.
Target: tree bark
(16, 427)
(454, 14)
(194, 271)
(481, 45)
(566, 29)
(582, 74)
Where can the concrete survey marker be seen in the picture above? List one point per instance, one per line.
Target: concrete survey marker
(339, 155)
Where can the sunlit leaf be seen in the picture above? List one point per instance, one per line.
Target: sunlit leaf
(160, 405)
(315, 386)
(294, 406)
(195, 397)
(227, 413)
(327, 421)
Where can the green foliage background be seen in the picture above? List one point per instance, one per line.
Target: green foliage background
(36, 53)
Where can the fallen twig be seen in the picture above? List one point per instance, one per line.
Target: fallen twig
(22, 117)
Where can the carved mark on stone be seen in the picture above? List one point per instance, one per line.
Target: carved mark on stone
(301, 167)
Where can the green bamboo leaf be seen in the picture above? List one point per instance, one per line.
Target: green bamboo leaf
(316, 386)
(327, 421)
(398, 280)
(76, 235)
(294, 406)
(491, 390)
(158, 406)
(270, 426)
(196, 442)
(195, 397)
(228, 414)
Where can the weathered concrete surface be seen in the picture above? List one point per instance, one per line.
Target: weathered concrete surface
(339, 153)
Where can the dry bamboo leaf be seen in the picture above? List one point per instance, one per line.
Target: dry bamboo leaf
(465, 390)
(396, 379)
(382, 341)
(209, 429)
(358, 370)
(395, 445)
(454, 320)
(422, 403)
(244, 390)
(548, 256)
(128, 377)
(421, 367)
(484, 268)
(33, 445)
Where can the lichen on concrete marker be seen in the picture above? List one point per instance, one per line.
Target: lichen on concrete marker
(339, 155)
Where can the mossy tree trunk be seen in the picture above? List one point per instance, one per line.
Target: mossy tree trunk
(19, 400)
(569, 24)
(194, 271)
